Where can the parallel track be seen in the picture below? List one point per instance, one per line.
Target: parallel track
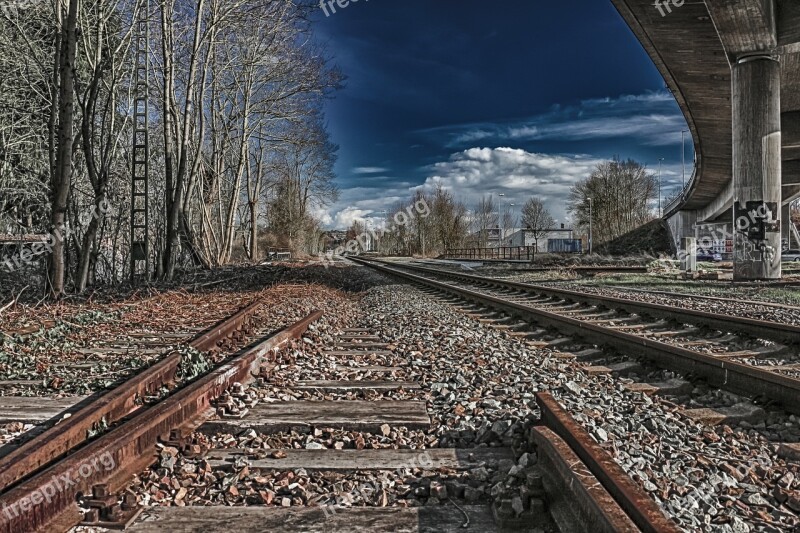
(562, 310)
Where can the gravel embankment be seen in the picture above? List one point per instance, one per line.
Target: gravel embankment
(479, 384)
(773, 313)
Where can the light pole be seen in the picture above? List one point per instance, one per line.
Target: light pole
(590, 226)
(382, 231)
(660, 211)
(683, 154)
(503, 216)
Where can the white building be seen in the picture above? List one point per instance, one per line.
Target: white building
(524, 237)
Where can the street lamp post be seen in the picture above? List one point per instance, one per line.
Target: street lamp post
(660, 210)
(590, 226)
(683, 154)
(503, 216)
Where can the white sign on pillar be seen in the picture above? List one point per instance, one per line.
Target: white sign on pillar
(689, 258)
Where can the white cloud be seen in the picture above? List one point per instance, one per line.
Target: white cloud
(369, 170)
(345, 218)
(358, 203)
(653, 119)
(516, 173)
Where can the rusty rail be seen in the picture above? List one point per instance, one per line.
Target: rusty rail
(642, 509)
(36, 504)
(111, 406)
(576, 498)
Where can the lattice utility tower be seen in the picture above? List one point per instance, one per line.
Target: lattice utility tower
(140, 172)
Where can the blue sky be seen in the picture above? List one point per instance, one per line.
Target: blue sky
(520, 97)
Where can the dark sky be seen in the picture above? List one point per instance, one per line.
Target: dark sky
(520, 97)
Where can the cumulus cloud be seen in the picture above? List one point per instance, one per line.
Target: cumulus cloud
(359, 203)
(516, 173)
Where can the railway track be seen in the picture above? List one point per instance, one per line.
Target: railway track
(755, 358)
(43, 478)
(567, 476)
(586, 270)
(62, 477)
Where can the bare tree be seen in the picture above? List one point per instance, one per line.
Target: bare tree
(508, 220)
(484, 219)
(236, 123)
(621, 194)
(448, 219)
(102, 128)
(60, 185)
(537, 220)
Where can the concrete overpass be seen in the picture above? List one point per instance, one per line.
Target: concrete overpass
(734, 68)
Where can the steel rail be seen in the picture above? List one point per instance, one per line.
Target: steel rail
(34, 505)
(775, 331)
(725, 374)
(643, 510)
(111, 406)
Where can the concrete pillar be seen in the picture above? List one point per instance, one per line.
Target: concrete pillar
(689, 255)
(681, 225)
(756, 105)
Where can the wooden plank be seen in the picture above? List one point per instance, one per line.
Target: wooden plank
(743, 354)
(350, 415)
(353, 385)
(725, 415)
(369, 368)
(362, 345)
(34, 410)
(257, 519)
(21, 383)
(350, 460)
(644, 388)
(790, 451)
(350, 353)
(596, 370)
(371, 338)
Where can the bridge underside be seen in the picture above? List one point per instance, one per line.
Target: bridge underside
(734, 69)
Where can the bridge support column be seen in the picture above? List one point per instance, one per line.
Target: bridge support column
(756, 106)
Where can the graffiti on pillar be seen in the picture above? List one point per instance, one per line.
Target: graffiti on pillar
(756, 226)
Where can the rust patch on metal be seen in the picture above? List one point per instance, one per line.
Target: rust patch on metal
(642, 509)
(110, 407)
(574, 491)
(53, 493)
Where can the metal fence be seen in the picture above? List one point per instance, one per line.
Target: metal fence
(503, 252)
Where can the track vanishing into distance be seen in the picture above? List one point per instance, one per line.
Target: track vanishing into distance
(755, 358)
(82, 470)
(88, 460)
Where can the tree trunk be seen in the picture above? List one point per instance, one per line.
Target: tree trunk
(174, 206)
(60, 186)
